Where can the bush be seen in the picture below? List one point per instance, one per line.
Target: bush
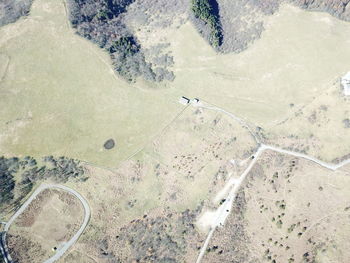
(158, 239)
(126, 46)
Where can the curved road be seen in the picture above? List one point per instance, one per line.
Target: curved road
(67, 245)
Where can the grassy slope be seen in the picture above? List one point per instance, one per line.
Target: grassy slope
(293, 62)
(59, 95)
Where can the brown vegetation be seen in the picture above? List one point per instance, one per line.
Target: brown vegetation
(49, 220)
(290, 210)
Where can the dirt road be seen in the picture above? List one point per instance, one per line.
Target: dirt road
(223, 211)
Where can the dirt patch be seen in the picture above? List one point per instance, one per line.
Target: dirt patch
(232, 244)
(4, 65)
(76, 256)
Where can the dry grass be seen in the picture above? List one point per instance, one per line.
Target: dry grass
(293, 63)
(182, 168)
(49, 221)
(290, 209)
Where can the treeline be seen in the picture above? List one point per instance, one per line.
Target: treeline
(27, 169)
(208, 12)
(7, 181)
(101, 21)
(11, 10)
(98, 10)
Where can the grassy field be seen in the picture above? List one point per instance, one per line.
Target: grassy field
(59, 95)
(293, 67)
(289, 64)
(180, 170)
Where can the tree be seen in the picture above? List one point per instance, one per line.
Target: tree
(208, 12)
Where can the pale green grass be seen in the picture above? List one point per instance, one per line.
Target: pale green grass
(293, 62)
(298, 58)
(59, 95)
(4, 62)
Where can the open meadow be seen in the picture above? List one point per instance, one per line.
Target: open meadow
(59, 95)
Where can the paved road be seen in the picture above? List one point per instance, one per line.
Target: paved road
(66, 245)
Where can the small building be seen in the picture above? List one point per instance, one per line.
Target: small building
(183, 100)
(345, 81)
(195, 101)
